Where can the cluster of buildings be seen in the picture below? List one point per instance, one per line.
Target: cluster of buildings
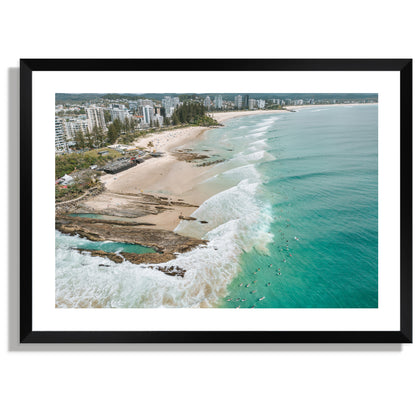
(67, 127)
(69, 121)
(245, 102)
(289, 101)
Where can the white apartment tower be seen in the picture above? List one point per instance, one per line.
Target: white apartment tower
(238, 101)
(95, 116)
(147, 114)
(74, 125)
(119, 113)
(60, 140)
(252, 103)
(169, 104)
(207, 102)
(218, 101)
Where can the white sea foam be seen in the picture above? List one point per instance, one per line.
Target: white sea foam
(253, 157)
(237, 222)
(259, 144)
(264, 128)
(256, 134)
(243, 172)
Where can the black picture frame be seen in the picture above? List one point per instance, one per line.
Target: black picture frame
(28, 335)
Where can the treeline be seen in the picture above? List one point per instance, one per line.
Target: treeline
(118, 127)
(89, 140)
(71, 113)
(97, 138)
(191, 113)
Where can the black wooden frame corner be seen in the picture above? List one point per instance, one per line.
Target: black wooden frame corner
(28, 66)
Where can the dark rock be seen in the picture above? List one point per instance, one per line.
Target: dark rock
(171, 271)
(211, 162)
(163, 241)
(189, 157)
(135, 258)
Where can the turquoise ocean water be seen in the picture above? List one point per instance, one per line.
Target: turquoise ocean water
(292, 222)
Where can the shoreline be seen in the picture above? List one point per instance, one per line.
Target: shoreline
(228, 115)
(296, 107)
(157, 194)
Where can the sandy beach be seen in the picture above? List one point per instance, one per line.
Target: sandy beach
(164, 176)
(170, 139)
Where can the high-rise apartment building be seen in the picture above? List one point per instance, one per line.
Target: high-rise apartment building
(119, 113)
(245, 101)
(74, 125)
(207, 102)
(60, 139)
(252, 103)
(147, 114)
(238, 101)
(218, 101)
(95, 116)
(169, 104)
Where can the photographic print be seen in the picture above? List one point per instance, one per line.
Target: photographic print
(191, 199)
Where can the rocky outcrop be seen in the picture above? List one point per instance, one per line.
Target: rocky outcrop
(171, 271)
(188, 156)
(129, 205)
(135, 258)
(163, 241)
(71, 205)
(69, 219)
(211, 162)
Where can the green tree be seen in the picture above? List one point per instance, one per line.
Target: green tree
(175, 119)
(79, 140)
(118, 126)
(89, 139)
(107, 116)
(126, 125)
(112, 134)
(99, 137)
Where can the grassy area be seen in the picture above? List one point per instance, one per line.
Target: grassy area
(84, 181)
(68, 193)
(66, 164)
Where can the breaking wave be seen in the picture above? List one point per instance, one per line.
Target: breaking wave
(238, 221)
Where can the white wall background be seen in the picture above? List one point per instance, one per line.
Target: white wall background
(188, 380)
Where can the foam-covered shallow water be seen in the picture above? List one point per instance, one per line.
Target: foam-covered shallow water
(292, 222)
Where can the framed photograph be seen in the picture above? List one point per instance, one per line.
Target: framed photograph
(215, 201)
